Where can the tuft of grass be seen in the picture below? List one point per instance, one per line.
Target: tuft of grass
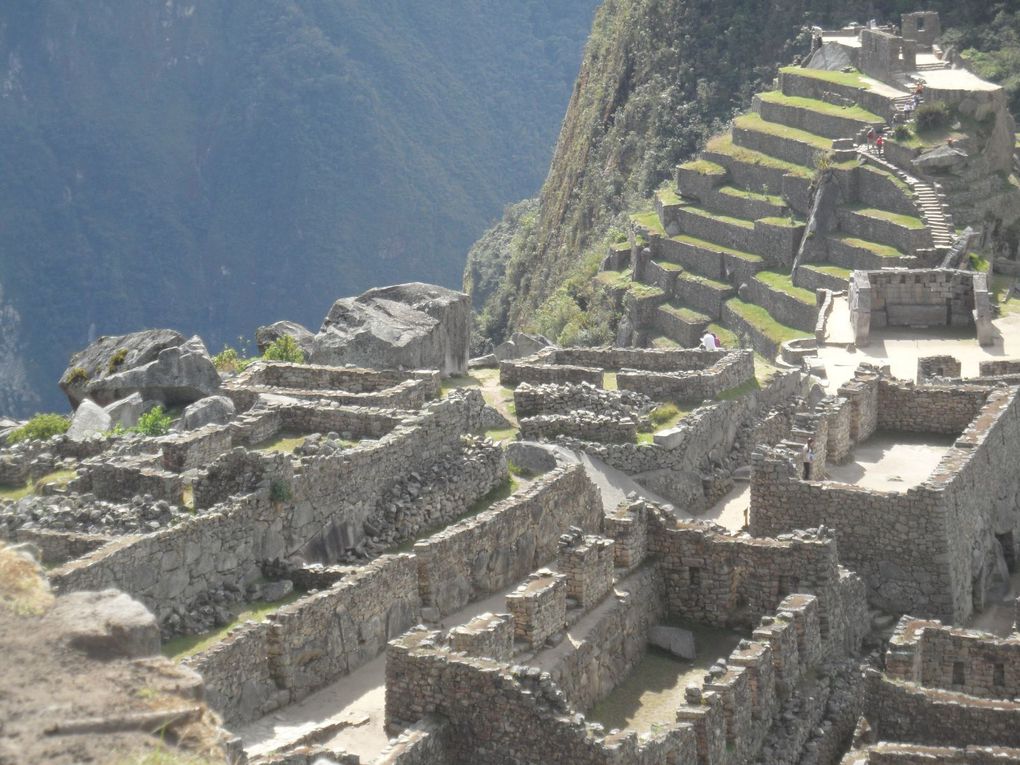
(979, 263)
(703, 167)
(664, 413)
(456, 382)
(850, 79)
(24, 590)
(649, 220)
(117, 360)
(58, 477)
(188, 645)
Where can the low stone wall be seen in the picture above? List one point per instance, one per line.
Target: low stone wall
(424, 743)
(819, 123)
(784, 308)
(952, 658)
(59, 547)
(806, 86)
(500, 546)
(907, 240)
(262, 666)
(732, 371)
(913, 408)
(936, 366)
(907, 713)
(999, 367)
(586, 426)
(683, 328)
(513, 373)
(888, 753)
(530, 401)
(702, 296)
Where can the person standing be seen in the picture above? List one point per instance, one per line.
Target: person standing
(708, 341)
(809, 458)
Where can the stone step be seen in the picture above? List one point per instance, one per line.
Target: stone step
(855, 253)
(705, 258)
(734, 233)
(681, 325)
(764, 331)
(814, 276)
(743, 203)
(904, 233)
(751, 169)
(817, 117)
(701, 294)
(778, 140)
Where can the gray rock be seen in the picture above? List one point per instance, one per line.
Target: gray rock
(126, 411)
(90, 419)
(278, 590)
(531, 457)
(414, 326)
(266, 336)
(677, 641)
(95, 362)
(107, 624)
(179, 375)
(831, 57)
(482, 362)
(218, 410)
(520, 345)
(941, 159)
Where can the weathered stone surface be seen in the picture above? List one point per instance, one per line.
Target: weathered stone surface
(940, 159)
(108, 624)
(266, 336)
(127, 410)
(179, 375)
(90, 419)
(408, 325)
(273, 591)
(95, 361)
(216, 410)
(677, 641)
(831, 57)
(520, 345)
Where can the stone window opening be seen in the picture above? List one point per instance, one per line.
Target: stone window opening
(694, 575)
(958, 676)
(920, 23)
(999, 674)
(788, 584)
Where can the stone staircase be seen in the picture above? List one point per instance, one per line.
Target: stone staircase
(719, 250)
(929, 197)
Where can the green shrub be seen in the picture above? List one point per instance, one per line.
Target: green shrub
(116, 360)
(78, 376)
(901, 133)
(663, 413)
(230, 361)
(154, 422)
(279, 491)
(284, 348)
(933, 115)
(40, 427)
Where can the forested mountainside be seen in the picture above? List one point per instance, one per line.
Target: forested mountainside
(211, 166)
(658, 78)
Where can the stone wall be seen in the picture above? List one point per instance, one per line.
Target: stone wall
(784, 308)
(913, 408)
(586, 426)
(999, 367)
(908, 713)
(491, 551)
(729, 372)
(532, 400)
(952, 658)
(936, 366)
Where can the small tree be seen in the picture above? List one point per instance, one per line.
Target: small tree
(284, 348)
(40, 427)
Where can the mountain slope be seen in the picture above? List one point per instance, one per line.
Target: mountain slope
(215, 166)
(658, 78)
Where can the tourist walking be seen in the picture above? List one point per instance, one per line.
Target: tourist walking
(809, 458)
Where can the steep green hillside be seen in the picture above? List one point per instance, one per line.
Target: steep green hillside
(213, 166)
(658, 78)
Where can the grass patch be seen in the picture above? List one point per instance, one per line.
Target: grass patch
(906, 221)
(741, 390)
(764, 370)
(700, 211)
(649, 220)
(882, 250)
(283, 442)
(763, 321)
(57, 477)
(837, 271)
(667, 196)
(609, 381)
(499, 435)
(772, 199)
(712, 283)
(783, 283)
(723, 144)
(849, 79)
(614, 279)
(703, 167)
(712, 247)
(684, 314)
(188, 645)
(1000, 287)
(790, 222)
(755, 123)
(667, 265)
(23, 587)
(645, 291)
(821, 107)
(457, 382)
(728, 338)
(664, 343)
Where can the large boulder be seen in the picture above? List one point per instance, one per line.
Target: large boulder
(217, 410)
(126, 411)
(520, 345)
(178, 376)
(89, 419)
(266, 336)
(414, 326)
(107, 624)
(831, 57)
(109, 355)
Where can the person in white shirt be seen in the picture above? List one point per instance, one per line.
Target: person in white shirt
(708, 341)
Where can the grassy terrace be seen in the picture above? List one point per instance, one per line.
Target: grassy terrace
(667, 196)
(713, 247)
(733, 191)
(683, 313)
(687, 276)
(666, 265)
(790, 222)
(703, 167)
(783, 283)
(821, 107)
(645, 291)
(702, 212)
(850, 79)
(907, 221)
(837, 271)
(665, 343)
(882, 250)
(755, 123)
(762, 320)
(614, 279)
(56, 478)
(899, 183)
(724, 145)
(649, 220)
